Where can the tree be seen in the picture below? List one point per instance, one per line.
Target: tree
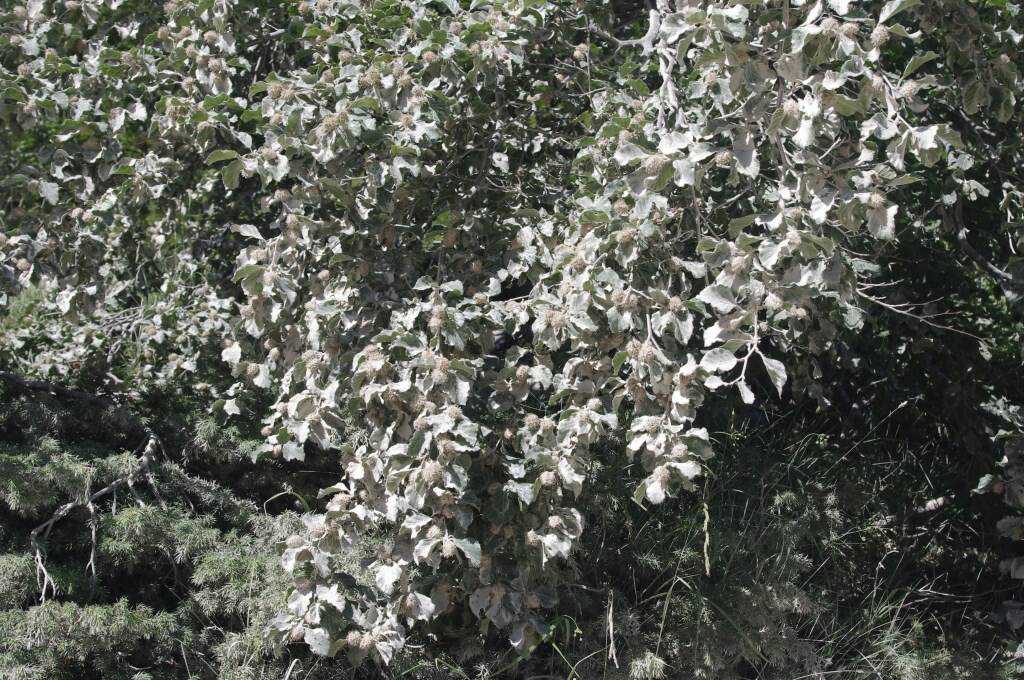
(480, 252)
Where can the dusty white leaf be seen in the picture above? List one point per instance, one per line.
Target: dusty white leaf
(745, 154)
(319, 641)
(718, 360)
(776, 371)
(386, 577)
(629, 152)
(719, 297)
(804, 136)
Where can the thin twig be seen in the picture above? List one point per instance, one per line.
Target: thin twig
(90, 567)
(917, 317)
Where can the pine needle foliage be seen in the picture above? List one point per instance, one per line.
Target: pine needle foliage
(181, 591)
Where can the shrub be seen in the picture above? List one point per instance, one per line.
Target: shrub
(473, 251)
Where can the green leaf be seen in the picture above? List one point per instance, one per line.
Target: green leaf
(640, 87)
(217, 101)
(917, 62)
(903, 180)
(370, 103)
(221, 155)
(739, 224)
(618, 361)
(432, 240)
(252, 116)
(247, 271)
(846, 106)
(894, 7)
(445, 219)
(416, 444)
(230, 174)
(15, 94)
(594, 216)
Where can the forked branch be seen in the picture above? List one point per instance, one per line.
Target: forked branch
(145, 453)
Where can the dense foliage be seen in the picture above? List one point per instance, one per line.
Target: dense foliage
(693, 323)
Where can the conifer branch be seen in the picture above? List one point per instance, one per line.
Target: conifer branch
(53, 389)
(145, 453)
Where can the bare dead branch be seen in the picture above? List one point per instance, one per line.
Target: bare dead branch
(903, 311)
(90, 567)
(979, 259)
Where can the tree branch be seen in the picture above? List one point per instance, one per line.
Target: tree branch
(917, 317)
(53, 389)
(145, 453)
